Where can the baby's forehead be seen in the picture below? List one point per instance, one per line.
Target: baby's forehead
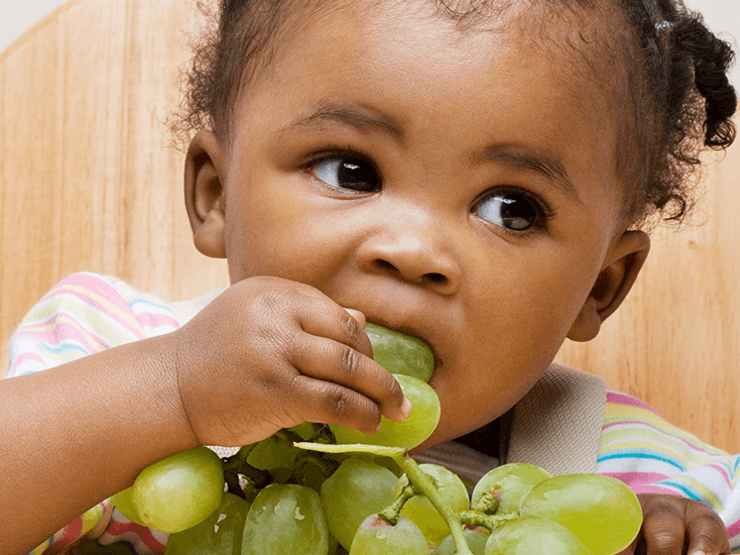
(587, 33)
(576, 41)
(588, 41)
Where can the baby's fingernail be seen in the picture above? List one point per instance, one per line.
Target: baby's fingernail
(405, 408)
(357, 315)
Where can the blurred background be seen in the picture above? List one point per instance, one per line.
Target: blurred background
(722, 16)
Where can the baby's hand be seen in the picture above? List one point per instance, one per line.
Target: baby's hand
(677, 526)
(271, 353)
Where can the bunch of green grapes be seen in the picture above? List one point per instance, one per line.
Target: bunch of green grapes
(526, 510)
(325, 490)
(516, 509)
(207, 504)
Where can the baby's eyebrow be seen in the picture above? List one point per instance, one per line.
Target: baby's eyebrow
(362, 119)
(523, 158)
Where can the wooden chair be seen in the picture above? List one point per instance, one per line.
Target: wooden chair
(88, 181)
(88, 176)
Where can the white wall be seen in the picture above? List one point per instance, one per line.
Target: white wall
(17, 16)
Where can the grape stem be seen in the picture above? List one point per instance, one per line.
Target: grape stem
(424, 485)
(487, 504)
(393, 511)
(490, 522)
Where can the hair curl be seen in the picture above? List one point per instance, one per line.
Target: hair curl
(682, 64)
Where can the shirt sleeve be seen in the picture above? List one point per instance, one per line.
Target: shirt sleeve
(83, 314)
(650, 455)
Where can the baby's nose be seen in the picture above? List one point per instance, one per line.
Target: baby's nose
(416, 256)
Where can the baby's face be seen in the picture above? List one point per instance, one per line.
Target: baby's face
(457, 186)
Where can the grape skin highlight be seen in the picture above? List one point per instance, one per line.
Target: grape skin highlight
(219, 534)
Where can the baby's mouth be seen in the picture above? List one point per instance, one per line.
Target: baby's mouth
(402, 351)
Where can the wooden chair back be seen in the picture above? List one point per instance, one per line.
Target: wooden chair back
(89, 179)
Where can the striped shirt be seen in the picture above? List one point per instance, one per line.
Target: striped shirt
(86, 313)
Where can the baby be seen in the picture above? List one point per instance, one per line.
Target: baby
(475, 174)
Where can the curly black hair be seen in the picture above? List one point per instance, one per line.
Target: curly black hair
(686, 67)
(679, 62)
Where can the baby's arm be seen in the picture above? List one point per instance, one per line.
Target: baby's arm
(266, 354)
(675, 525)
(74, 435)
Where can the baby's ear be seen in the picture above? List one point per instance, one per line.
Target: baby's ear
(204, 167)
(621, 266)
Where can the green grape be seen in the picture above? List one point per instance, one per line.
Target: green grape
(400, 353)
(304, 430)
(509, 482)
(358, 488)
(420, 424)
(376, 537)
(421, 511)
(286, 519)
(388, 463)
(530, 535)
(122, 501)
(275, 455)
(476, 540)
(219, 534)
(180, 491)
(602, 511)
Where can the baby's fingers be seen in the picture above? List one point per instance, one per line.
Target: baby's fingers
(706, 531)
(331, 403)
(334, 347)
(675, 525)
(329, 361)
(663, 527)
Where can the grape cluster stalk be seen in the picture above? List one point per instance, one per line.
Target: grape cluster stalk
(326, 490)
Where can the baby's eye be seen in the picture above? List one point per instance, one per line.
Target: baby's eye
(512, 209)
(346, 171)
